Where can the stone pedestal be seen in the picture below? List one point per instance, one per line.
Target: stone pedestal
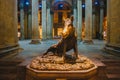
(49, 68)
(8, 26)
(35, 24)
(61, 75)
(88, 22)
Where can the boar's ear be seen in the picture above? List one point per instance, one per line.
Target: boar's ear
(72, 18)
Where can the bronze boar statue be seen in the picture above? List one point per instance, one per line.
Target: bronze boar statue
(67, 42)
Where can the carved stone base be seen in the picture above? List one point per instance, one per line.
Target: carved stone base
(112, 49)
(87, 41)
(35, 41)
(50, 68)
(9, 50)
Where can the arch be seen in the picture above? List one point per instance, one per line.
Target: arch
(61, 5)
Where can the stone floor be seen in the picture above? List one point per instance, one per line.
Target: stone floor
(30, 51)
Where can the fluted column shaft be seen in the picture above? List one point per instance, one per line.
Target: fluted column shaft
(88, 21)
(35, 24)
(8, 26)
(75, 13)
(101, 19)
(44, 19)
(113, 27)
(22, 19)
(49, 22)
(79, 18)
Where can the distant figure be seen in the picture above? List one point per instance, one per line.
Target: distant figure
(104, 34)
(19, 34)
(68, 41)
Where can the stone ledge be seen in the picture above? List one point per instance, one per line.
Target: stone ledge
(9, 50)
(35, 41)
(112, 49)
(82, 75)
(87, 41)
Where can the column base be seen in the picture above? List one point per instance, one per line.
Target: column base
(35, 41)
(112, 49)
(9, 50)
(44, 39)
(88, 41)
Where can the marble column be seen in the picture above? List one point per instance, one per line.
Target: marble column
(88, 22)
(97, 22)
(49, 24)
(25, 24)
(44, 20)
(30, 20)
(79, 18)
(52, 24)
(94, 24)
(35, 24)
(75, 14)
(113, 27)
(29, 25)
(101, 19)
(8, 27)
(22, 19)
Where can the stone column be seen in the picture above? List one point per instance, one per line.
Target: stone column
(49, 24)
(113, 27)
(35, 25)
(88, 22)
(97, 22)
(26, 24)
(44, 20)
(101, 19)
(22, 19)
(8, 27)
(79, 22)
(52, 24)
(93, 24)
(75, 14)
(30, 21)
(29, 25)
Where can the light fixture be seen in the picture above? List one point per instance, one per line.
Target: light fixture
(83, 5)
(40, 5)
(96, 3)
(61, 5)
(27, 3)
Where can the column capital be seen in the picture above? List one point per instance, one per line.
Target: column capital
(75, 4)
(93, 11)
(102, 4)
(21, 5)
